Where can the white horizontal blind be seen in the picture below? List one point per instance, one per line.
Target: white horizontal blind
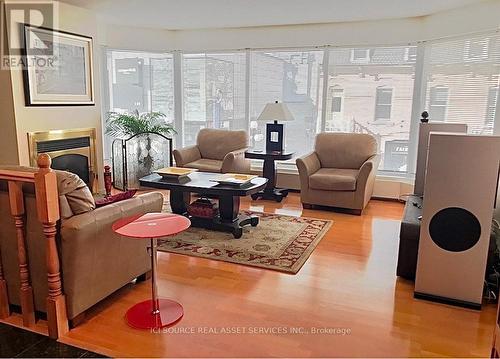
(375, 93)
(214, 92)
(462, 81)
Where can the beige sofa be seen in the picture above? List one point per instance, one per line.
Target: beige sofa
(95, 262)
(340, 172)
(219, 151)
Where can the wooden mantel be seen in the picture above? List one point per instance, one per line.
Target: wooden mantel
(48, 214)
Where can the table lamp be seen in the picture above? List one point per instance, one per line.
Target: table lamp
(274, 131)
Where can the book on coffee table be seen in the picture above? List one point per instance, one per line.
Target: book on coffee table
(234, 179)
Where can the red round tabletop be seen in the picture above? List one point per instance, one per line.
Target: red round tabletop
(151, 225)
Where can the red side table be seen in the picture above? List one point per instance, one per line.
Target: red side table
(154, 313)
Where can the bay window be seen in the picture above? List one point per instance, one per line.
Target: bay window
(341, 89)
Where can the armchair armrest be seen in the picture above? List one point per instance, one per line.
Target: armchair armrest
(366, 179)
(368, 167)
(307, 165)
(235, 161)
(186, 155)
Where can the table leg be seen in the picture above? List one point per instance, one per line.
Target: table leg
(154, 266)
(270, 192)
(154, 313)
(229, 207)
(269, 172)
(179, 201)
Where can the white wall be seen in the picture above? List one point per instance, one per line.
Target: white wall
(474, 18)
(29, 119)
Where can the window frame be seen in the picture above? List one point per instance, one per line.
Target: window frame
(431, 106)
(482, 56)
(420, 85)
(378, 119)
(360, 60)
(491, 103)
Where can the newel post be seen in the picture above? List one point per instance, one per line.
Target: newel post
(47, 202)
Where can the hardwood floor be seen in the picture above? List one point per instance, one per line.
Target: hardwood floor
(348, 282)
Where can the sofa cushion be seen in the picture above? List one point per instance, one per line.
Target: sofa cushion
(344, 150)
(334, 179)
(77, 196)
(216, 144)
(206, 165)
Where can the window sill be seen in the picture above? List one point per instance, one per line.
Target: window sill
(291, 169)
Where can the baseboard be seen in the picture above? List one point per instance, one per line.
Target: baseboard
(444, 300)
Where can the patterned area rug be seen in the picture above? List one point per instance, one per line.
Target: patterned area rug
(279, 242)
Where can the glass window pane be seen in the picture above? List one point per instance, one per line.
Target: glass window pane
(381, 88)
(292, 77)
(138, 81)
(337, 104)
(213, 93)
(460, 76)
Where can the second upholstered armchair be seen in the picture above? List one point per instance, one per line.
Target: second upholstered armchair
(216, 151)
(340, 172)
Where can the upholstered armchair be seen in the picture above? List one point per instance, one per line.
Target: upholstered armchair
(340, 172)
(216, 151)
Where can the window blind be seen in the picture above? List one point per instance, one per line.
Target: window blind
(462, 77)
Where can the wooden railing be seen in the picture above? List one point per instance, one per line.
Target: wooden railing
(47, 204)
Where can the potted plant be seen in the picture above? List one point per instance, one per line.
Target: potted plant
(134, 123)
(138, 126)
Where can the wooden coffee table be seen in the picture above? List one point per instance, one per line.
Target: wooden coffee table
(229, 218)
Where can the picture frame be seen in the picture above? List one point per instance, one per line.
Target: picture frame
(58, 69)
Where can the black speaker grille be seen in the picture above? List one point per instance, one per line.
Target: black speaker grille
(455, 229)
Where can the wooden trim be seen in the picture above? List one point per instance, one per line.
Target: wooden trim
(11, 175)
(4, 298)
(48, 214)
(495, 350)
(79, 319)
(16, 199)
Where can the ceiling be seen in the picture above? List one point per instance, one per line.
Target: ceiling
(200, 14)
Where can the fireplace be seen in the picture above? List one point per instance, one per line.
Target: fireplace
(70, 150)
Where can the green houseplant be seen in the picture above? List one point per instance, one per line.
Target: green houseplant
(142, 129)
(134, 123)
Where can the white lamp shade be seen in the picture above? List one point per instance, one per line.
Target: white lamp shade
(276, 111)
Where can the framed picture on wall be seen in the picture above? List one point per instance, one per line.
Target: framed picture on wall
(59, 69)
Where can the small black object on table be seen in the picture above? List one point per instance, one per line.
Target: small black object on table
(202, 183)
(269, 172)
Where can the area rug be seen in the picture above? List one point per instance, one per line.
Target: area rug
(279, 242)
